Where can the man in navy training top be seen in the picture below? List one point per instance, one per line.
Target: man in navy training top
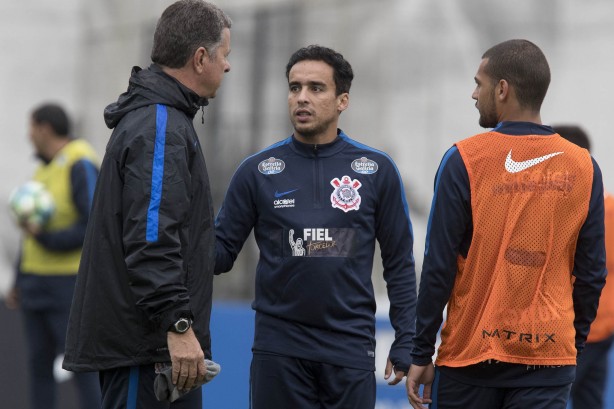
(317, 202)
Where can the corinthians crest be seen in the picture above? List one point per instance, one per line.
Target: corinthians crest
(345, 196)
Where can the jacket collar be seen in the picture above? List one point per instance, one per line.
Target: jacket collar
(522, 128)
(322, 150)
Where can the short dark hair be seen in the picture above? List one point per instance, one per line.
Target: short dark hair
(185, 26)
(342, 70)
(55, 116)
(524, 66)
(575, 134)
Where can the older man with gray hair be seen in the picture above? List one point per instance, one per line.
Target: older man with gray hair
(143, 296)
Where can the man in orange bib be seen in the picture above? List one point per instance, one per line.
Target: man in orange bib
(515, 248)
(588, 389)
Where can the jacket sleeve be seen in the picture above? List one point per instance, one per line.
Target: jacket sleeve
(156, 202)
(83, 175)
(235, 220)
(589, 263)
(449, 225)
(395, 236)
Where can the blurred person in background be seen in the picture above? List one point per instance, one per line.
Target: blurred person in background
(317, 202)
(588, 390)
(143, 297)
(515, 248)
(49, 257)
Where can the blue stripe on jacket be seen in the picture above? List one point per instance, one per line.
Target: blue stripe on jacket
(403, 195)
(157, 175)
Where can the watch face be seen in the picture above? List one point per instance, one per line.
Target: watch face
(182, 325)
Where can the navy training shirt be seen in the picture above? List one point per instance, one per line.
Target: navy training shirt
(316, 212)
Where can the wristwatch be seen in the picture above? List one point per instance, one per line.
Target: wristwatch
(181, 325)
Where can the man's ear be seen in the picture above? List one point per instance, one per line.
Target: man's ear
(343, 101)
(45, 129)
(200, 59)
(502, 91)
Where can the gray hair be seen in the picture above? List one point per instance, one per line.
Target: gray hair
(185, 26)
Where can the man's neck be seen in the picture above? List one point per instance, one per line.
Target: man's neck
(55, 146)
(536, 119)
(520, 115)
(181, 75)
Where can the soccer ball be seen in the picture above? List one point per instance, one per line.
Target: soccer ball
(31, 203)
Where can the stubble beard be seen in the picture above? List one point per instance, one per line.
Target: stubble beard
(310, 132)
(487, 121)
(488, 115)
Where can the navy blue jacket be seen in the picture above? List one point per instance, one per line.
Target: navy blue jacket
(449, 234)
(148, 254)
(317, 211)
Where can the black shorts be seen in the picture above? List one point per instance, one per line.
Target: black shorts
(448, 393)
(278, 381)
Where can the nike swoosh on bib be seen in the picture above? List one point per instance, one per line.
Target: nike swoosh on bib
(514, 167)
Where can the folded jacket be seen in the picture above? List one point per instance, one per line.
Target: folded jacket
(163, 383)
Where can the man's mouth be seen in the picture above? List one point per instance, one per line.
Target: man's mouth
(302, 114)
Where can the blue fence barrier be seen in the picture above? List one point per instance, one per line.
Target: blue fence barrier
(232, 328)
